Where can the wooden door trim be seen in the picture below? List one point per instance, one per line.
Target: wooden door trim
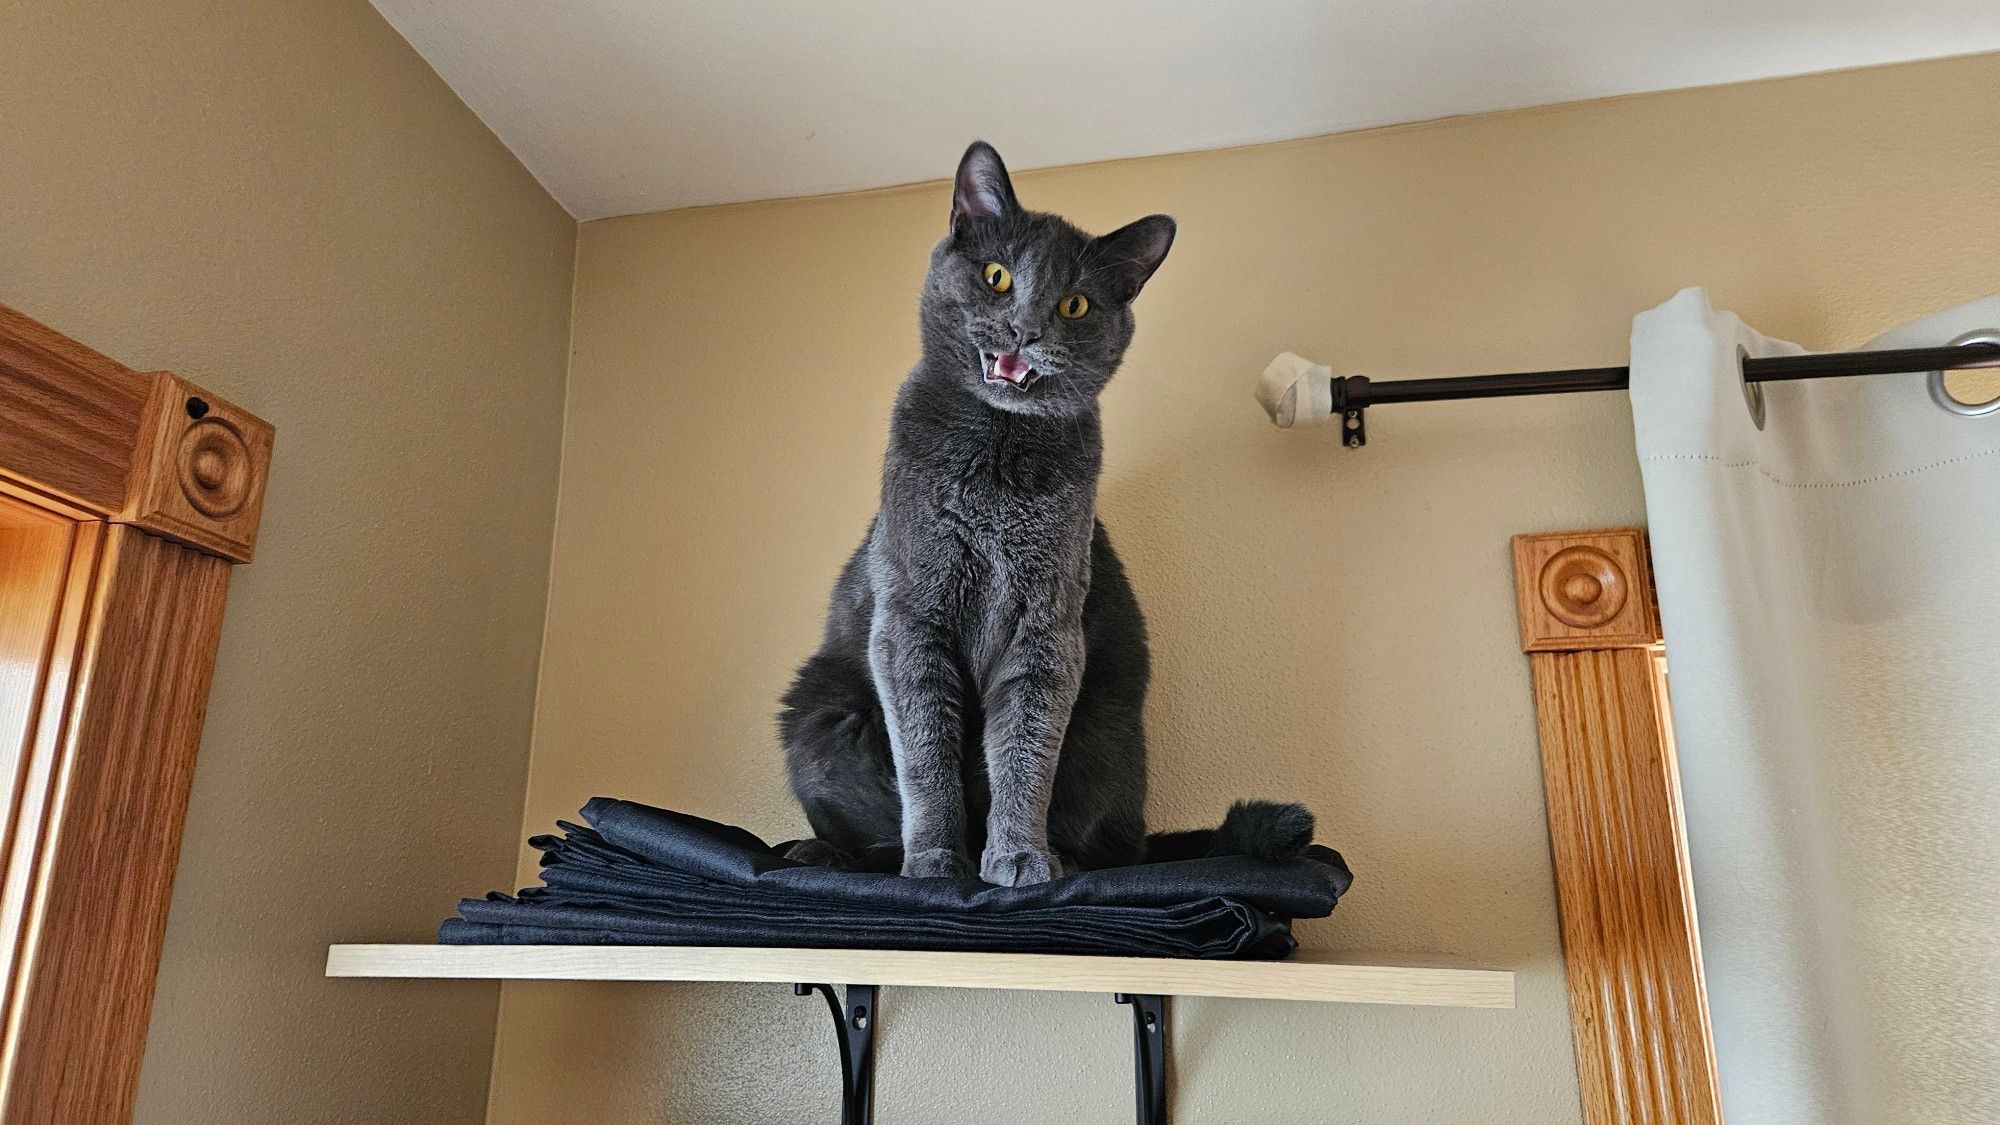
(84, 432)
(1590, 626)
(163, 484)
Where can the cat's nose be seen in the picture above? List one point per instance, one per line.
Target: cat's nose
(1025, 334)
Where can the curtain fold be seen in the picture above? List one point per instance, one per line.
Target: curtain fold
(1830, 594)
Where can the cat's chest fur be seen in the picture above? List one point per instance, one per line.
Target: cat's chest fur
(986, 520)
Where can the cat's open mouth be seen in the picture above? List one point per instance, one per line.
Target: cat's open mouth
(1008, 368)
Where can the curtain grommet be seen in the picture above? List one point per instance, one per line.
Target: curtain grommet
(1942, 395)
(1753, 393)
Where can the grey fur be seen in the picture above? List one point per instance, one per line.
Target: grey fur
(986, 607)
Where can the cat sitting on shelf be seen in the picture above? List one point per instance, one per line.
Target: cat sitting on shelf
(979, 688)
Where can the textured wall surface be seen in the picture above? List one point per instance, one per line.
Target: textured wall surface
(1330, 626)
(280, 201)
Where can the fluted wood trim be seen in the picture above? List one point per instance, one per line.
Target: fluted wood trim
(128, 495)
(83, 433)
(1644, 1055)
(70, 417)
(99, 868)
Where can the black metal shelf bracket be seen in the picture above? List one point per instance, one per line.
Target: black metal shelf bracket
(854, 1028)
(854, 1024)
(1149, 1055)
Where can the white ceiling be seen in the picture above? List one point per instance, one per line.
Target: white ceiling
(620, 106)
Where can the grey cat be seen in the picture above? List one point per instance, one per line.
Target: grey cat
(981, 679)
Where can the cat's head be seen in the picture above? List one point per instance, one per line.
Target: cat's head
(1032, 313)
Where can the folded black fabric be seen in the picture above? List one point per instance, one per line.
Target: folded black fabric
(645, 876)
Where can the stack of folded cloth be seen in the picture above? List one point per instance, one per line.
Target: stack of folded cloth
(645, 876)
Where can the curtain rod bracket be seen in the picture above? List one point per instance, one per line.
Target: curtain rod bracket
(1350, 405)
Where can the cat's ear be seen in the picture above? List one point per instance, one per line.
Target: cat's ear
(981, 190)
(1125, 259)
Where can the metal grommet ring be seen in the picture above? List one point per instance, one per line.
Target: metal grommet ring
(1943, 397)
(1753, 393)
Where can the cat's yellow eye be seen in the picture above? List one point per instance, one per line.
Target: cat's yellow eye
(1073, 306)
(998, 277)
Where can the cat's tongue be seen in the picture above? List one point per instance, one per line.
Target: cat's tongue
(1011, 367)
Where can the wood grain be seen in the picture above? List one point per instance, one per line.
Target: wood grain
(149, 449)
(1585, 589)
(201, 479)
(1301, 979)
(123, 498)
(101, 872)
(1644, 1055)
(68, 416)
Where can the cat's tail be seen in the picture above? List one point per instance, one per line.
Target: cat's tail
(1259, 829)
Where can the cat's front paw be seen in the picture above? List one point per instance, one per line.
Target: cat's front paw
(819, 853)
(936, 863)
(1018, 867)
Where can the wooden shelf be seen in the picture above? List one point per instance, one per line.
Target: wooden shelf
(1305, 978)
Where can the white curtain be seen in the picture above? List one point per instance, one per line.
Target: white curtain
(1830, 591)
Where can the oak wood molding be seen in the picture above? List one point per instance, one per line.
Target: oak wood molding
(100, 870)
(69, 417)
(144, 448)
(1590, 626)
(124, 499)
(1585, 589)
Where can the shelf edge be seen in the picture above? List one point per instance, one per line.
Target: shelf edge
(1310, 980)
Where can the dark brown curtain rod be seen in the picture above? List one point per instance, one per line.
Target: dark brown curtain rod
(1354, 393)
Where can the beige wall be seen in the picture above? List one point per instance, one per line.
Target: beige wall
(1335, 627)
(282, 202)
